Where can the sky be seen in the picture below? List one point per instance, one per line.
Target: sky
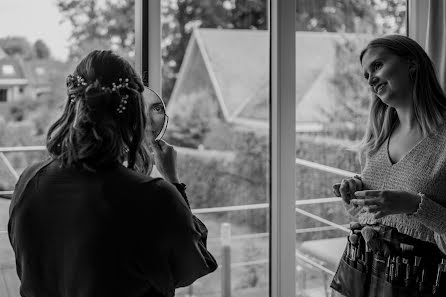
(35, 19)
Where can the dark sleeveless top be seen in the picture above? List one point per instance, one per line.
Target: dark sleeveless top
(110, 233)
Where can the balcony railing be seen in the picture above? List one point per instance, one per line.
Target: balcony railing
(329, 225)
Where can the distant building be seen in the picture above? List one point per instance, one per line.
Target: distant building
(227, 72)
(12, 78)
(23, 79)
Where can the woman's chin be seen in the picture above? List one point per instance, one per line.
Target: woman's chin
(385, 99)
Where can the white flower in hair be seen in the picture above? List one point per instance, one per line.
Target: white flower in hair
(78, 81)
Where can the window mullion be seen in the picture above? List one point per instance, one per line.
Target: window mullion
(283, 123)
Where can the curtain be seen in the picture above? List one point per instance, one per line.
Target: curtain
(427, 25)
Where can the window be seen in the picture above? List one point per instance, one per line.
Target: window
(215, 80)
(40, 71)
(3, 95)
(41, 44)
(331, 109)
(280, 175)
(8, 69)
(300, 91)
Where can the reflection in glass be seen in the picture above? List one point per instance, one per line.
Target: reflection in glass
(156, 113)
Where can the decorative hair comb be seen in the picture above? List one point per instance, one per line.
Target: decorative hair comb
(78, 81)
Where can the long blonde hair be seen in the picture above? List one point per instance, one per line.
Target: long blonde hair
(429, 100)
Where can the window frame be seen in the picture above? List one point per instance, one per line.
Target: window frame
(282, 251)
(282, 14)
(281, 17)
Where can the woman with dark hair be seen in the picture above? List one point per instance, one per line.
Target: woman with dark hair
(81, 223)
(398, 245)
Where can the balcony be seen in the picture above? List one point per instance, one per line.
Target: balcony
(315, 264)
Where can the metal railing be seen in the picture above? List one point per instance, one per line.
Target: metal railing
(301, 162)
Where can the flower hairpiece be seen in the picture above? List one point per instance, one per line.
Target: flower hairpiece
(78, 81)
(75, 81)
(122, 104)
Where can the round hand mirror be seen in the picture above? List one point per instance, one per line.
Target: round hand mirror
(156, 113)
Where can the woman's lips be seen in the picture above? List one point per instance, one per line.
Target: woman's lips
(380, 88)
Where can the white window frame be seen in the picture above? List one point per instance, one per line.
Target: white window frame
(282, 126)
(283, 148)
(148, 50)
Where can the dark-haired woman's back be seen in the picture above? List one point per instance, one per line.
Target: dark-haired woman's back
(113, 232)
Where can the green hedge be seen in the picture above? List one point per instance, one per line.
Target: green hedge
(218, 182)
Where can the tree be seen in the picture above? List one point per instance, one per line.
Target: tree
(41, 50)
(352, 95)
(190, 127)
(16, 45)
(87, 21)
(111, 25)
(374, 17)
(368, 16)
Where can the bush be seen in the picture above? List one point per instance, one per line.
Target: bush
(244, 179)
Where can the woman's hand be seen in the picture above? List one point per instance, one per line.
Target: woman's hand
(387, 202)
(346, 188)
(165, 157)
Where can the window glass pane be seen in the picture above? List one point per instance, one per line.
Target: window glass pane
(216, 85)
(331, 110)
(40, 44)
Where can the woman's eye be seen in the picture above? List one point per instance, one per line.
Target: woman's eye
(377, 66)
(159, 109)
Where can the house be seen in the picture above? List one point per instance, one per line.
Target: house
(25, 79)
(225, 76)
(12, 78)
(39, 73)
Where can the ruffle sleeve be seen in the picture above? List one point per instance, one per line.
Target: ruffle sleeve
(183, 241)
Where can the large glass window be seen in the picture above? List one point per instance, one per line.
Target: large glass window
(40, 43)
(331, 110)
(215, 81)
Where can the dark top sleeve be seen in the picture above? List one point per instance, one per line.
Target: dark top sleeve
(184, 237)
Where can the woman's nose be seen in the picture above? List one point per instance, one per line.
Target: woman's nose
(373, 80)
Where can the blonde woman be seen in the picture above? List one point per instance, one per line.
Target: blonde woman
(399, 200)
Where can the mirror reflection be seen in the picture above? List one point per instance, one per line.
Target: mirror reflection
(156, 113)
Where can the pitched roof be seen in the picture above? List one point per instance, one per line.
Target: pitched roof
(239, 62)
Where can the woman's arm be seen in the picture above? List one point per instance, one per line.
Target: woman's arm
(387, 202)
(433, 216)
(186, 238)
